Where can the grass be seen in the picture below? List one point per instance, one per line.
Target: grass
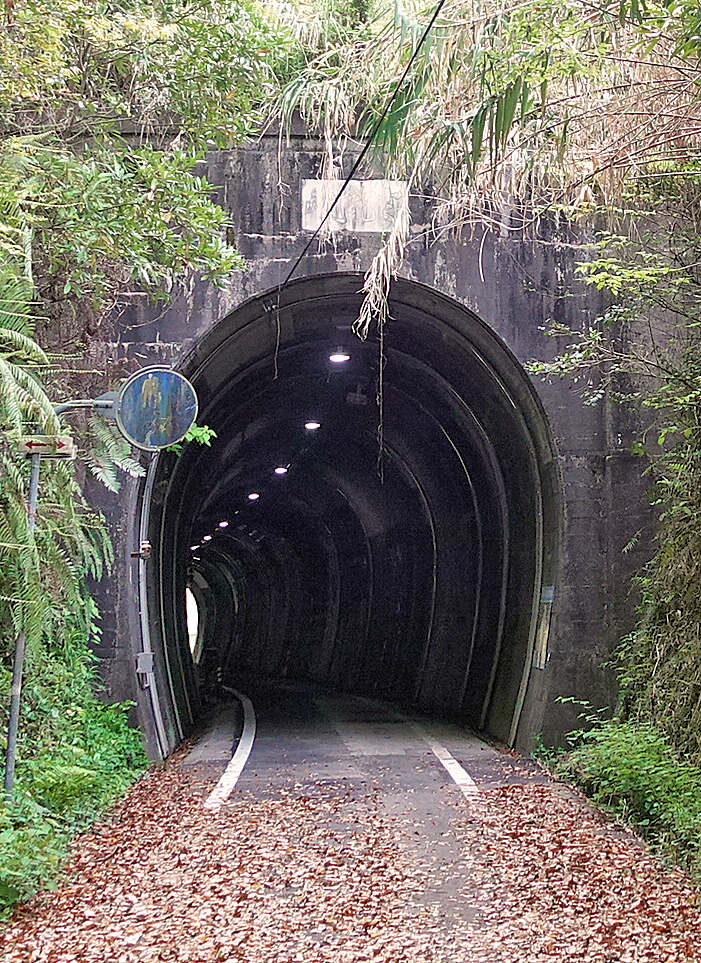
(72, 768)
(632, 770)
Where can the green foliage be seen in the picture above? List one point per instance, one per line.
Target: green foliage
(38, 568)
(106, 111)
(202, 434)
(32, 850)
(75, 753)
(20, 393)
(659, 663)
(632, 769)
(648, 337)
(116, 213)
(109, 453)
(78, 756)
(645, 350)
(512, 114)
(89, 66)
(91, 759)
(507, 98)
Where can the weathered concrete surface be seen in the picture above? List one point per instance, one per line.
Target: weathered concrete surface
(515, 285)
(217, 742)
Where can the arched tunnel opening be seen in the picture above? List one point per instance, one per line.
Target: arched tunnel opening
(401, 548)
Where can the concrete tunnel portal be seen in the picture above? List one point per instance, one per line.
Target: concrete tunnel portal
(416, 579)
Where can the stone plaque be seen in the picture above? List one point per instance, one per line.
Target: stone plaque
(365, 207)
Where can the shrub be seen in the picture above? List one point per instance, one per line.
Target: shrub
(77, 755)
(632, 769)
(33, 845)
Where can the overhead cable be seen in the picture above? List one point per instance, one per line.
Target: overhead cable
(368, 143)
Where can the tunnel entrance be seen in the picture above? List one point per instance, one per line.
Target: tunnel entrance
(384, 524)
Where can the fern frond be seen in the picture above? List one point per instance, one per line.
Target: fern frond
(20, 343)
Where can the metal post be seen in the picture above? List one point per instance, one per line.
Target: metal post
(105, 403)
(20, 645)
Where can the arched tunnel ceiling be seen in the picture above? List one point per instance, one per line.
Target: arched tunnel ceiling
(402, 553)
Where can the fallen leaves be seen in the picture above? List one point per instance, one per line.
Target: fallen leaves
(331, 873)
(264, 880)
(559, 881)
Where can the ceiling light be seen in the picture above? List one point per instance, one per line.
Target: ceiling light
(339, 356)
(223, 524)
(253, 497)
(193, 548)
(207, 538)
(312, 425)
(280, 470)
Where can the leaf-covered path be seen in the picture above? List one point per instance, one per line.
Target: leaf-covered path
(345, 840)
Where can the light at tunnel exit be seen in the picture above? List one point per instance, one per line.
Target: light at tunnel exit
(193, 619)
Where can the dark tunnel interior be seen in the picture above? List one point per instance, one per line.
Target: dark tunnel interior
(400, 549)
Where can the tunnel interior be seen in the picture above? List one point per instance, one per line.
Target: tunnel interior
(400, 550)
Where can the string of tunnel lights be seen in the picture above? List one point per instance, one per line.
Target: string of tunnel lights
(337, 357)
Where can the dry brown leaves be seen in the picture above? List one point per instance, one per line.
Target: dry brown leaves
(558, 881)
(327, 873)
(285, 878)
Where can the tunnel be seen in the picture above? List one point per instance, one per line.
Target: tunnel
(404, 546)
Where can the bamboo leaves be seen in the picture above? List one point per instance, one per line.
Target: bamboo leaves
(555, 103)
(538, 87)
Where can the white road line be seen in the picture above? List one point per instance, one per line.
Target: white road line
(465, 783)
(227, 783)
(357, 739)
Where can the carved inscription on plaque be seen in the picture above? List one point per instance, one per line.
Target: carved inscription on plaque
(365, 207)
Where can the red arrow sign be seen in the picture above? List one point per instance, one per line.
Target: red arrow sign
(48, 446)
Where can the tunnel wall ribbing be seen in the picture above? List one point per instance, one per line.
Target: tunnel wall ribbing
(473, 659)
(515, 286)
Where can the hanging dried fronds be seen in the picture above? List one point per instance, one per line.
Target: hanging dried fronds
(381, 272)
(513, 109)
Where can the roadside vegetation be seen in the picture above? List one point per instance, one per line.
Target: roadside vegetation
(644, 761)
(106, 108)
(76, 753)
(632, 769)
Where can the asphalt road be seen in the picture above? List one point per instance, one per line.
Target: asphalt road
(306, 736)
(425, 778)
